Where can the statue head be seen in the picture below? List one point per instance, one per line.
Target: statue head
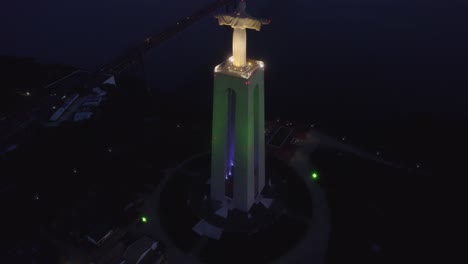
(241, 7)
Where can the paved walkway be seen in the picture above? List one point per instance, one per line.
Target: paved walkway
(311, 249)
(154, 229)
(316, 139)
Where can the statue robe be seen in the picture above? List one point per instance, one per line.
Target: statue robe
(240, 21)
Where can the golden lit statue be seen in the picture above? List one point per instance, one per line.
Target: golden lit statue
(240, 21)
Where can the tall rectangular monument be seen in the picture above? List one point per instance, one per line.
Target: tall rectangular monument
(238, 141)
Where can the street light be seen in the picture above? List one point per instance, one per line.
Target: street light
(314, 175)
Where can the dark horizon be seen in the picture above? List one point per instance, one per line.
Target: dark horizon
(378, 59)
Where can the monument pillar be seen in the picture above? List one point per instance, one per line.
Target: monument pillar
(238, 140)
(239, 44)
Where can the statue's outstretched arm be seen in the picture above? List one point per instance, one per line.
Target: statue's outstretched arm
(265, 21)
(256, 23)
(253, 23)
(224, 20)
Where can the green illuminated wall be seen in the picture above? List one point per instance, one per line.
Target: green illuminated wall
(249, 157)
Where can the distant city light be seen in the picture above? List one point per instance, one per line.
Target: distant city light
(144, 219)
(36, 197)
(376, 248)
(28, 93)
(109, 150)
(75, 171)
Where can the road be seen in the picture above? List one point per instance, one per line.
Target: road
(136, 54)
(315, 139)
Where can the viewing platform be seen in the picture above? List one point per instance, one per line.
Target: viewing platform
(246, 71)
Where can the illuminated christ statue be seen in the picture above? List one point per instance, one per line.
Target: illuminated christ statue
(240, 21)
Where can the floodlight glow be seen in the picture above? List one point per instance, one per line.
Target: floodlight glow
(314, 175)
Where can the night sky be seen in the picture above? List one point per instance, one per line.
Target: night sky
(368, 57)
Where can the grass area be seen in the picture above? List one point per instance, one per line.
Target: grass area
(176, 217)
(261, 247)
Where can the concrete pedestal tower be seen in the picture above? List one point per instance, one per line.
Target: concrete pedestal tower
(238, 141)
